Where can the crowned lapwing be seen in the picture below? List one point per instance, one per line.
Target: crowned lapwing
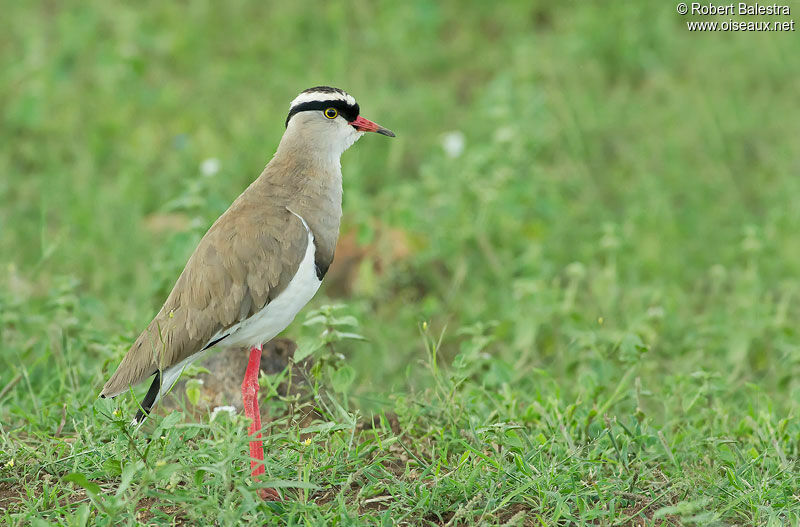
(259, 263)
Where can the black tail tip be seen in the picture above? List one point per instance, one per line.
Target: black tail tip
(140, 416)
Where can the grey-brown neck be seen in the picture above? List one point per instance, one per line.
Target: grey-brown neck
(307, 180)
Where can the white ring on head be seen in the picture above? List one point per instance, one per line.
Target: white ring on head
(323, 96)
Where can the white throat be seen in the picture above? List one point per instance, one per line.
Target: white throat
(317, 142)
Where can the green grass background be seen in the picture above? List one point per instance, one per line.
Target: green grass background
(607, 276)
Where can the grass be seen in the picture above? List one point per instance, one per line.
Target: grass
(587, 317)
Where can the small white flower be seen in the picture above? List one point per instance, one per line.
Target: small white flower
(210, 166)
(453, 143)
(230, 409)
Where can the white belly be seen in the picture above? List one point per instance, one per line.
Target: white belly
(279, 313)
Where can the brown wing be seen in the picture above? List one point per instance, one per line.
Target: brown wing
(245, 259)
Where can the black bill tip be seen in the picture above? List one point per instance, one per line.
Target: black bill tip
(385, 131)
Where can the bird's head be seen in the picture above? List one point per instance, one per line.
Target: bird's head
(328, 119)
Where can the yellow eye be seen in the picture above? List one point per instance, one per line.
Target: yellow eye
(331, 113)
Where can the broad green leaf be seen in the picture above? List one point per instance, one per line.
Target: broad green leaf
(112, 467)
(103, 407)
(163, 472)
(81, 516)
(128, 472)
(81, 480)
(168, 422)
(347, 320)
(318, 319)
(342, 378)
(193, 391)
(349, 336)
(306, 347)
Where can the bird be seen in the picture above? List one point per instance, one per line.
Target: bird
(258, 264)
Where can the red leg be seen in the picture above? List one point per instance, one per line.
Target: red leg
(250, 400)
